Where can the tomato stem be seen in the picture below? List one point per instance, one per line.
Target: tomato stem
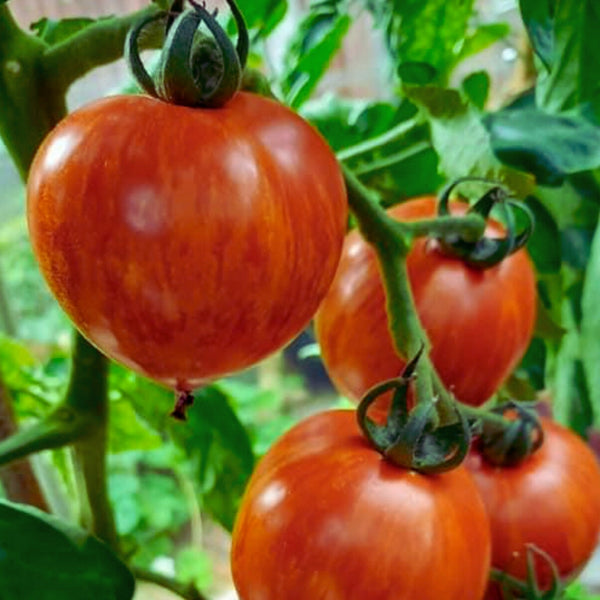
(392, 241)
(375, 143)
(469, 226)
(392, 159)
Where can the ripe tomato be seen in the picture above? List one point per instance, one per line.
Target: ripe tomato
(326, 517)
(187, 243)
(551, 500)
(479, 322)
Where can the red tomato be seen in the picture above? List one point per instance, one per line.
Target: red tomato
(551, 500)
(326, 517)
(187, 243)
(479, 322)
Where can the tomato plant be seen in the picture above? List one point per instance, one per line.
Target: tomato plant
(325, 516)
(148, 278)
(479, 322)
(551, 500)
(186, 243)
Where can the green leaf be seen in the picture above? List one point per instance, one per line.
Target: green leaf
(316, 42)
(416, 73)
(217, 442)
(192, 564)
(550, 146)
(53, 32)
(461, 139)
(424, 32)
(565, 37)
(345, 122)
(213, 439)
(124, 492)
(546, 326)
(537, 15)
(128, 432)
(46, 559)
(263, 15)
(590, 324)
(476, 87)
(544, 244)
(481, 38)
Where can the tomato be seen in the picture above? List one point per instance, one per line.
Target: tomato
(186, 243)
(551, 500)
(325, 516)
(479, 322)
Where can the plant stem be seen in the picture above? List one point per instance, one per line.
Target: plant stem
(186, 591)
(374, 143)
(98, 44)
(29, 106)
(7, 323)
(88, 394)
(18, 479)
(392, 159)
(468, 227)
(61, 427)
(391, 244)
(32, 96)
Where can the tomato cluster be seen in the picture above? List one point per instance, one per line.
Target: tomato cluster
(326, 516)
(189, 252)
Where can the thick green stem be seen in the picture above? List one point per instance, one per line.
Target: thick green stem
(404, 324)
(395, 133)
(18, 478)
(33, 83)
(88, 394)
(98, 44)
(61, 427)
(30, 108)
(391, 241)
(90, 457)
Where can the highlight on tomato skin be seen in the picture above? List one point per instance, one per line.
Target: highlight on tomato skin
(479, 322)
(186, 243)
(551, 500)
(325, 516)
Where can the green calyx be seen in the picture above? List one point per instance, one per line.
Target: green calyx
(414, 439)
(194, 69)
(512, 441)
(486, 252)
(515, 589)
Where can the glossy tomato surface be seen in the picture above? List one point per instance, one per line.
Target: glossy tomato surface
(479, 322)
(186, 243)
(325, 517)
(551, 500)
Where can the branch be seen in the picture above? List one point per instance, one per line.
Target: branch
(18, 479)
(98, 44)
